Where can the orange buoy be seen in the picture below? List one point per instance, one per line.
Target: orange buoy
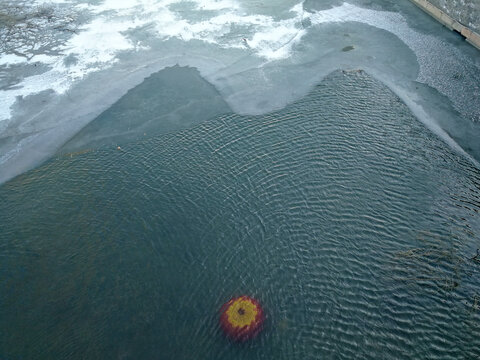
(241, 318)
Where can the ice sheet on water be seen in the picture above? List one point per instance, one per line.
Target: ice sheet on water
(98, 43)
(259, 55)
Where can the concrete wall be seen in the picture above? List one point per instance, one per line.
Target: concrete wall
(462, 16)
(466, 12)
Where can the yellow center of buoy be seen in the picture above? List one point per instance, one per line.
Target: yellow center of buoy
(242, 312)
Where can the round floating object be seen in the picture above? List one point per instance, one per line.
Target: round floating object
(241, 318)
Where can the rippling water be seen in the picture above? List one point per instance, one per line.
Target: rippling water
(354, 226)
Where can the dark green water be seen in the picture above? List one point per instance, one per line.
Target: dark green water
(352, 224)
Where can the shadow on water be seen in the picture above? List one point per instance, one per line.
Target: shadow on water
(318, 210)
(169, 100)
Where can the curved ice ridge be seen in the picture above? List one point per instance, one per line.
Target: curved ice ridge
(97, 44)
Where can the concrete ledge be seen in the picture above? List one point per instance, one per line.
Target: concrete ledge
(471, 36)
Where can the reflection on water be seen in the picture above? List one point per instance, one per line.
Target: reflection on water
(353, 226)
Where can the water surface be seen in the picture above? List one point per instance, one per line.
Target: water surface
(350, 221)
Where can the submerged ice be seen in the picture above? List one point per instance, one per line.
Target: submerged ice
(64, 62)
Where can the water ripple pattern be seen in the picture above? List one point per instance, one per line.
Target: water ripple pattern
(353, 225)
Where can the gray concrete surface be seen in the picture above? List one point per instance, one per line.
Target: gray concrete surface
(462, 16)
